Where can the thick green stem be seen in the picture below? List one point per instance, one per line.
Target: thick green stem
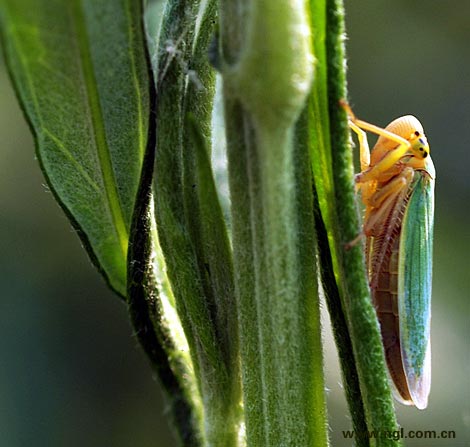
(265, 86)
(273, 239)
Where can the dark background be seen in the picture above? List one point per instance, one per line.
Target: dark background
(71, 372)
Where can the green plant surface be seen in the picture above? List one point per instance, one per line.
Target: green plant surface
(150, 298)
(267, 67)
(190, 224)
(152, 312)
(80, 73)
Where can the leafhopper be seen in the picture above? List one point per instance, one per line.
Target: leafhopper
(397, 188)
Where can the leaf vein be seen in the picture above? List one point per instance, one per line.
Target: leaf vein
(63, 148)
(102, 146)
(137, 87)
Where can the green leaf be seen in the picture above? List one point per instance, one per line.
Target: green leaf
(325, 214)
(191, 229)
(150, 295)
(81, 75)
(151, 308)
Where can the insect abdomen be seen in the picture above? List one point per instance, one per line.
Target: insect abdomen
(384, 288)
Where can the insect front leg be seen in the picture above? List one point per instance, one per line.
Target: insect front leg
(392, 188)
(360, 127)
(387, 162)
(364, 150)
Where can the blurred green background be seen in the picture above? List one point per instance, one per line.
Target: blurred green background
(71, 372)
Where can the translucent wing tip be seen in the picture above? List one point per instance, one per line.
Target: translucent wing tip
(420, 386)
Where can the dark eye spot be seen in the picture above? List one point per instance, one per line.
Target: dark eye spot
(421, 149)
(425, 155)
(416, 133)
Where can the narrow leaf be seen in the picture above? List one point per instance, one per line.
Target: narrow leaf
(357, 305)
(326, 217)
(190, 226)
(152, 314)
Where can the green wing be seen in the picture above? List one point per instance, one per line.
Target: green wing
(414, 285)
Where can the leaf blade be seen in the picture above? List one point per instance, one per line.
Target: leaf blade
(90, 138)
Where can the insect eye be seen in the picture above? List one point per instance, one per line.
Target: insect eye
(416, 133)
(421, 149)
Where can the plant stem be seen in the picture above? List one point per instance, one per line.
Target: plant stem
(357, 305)
(267, 70)
(319, 138)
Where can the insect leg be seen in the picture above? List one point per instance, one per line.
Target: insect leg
(403, 146)
(391, 188)
(361, 136)
(363, 145)
(390, 159)
(382, 204)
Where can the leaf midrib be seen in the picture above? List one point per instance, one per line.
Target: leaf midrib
(99, 131)
(137, 87)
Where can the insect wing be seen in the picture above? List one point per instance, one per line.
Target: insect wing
(414, 285)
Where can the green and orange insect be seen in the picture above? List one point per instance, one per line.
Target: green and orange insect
(397, 187)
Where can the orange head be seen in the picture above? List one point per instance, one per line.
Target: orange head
(409, 128)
